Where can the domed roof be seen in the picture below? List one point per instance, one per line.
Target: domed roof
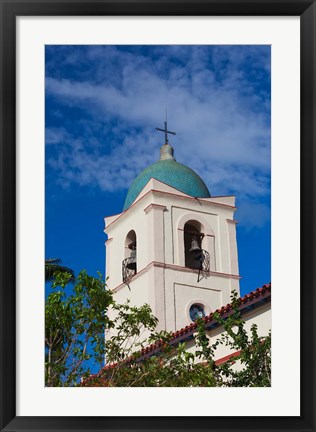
(171, 172)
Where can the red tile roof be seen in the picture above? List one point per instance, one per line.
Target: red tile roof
(253, 299)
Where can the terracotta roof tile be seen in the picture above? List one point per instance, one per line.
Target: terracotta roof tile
(253, 295)
(245, 299)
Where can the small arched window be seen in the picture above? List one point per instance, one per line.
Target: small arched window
(130, 243)
(193, 244)
(129, 265)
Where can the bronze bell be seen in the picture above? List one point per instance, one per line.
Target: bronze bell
(131, 264)
(195, 247)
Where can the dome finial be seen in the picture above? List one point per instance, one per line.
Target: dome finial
(166, 151)
(165, 130)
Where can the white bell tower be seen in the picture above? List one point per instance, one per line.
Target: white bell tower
(174, 246)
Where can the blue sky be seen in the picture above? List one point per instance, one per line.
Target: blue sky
(102, 106)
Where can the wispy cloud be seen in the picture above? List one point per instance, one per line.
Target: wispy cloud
(218, 101)
(56, 135)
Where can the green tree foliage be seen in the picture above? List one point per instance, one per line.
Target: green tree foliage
(255, 351)
(77, 321)
(74, 327)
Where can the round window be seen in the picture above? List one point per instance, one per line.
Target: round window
(196, 311)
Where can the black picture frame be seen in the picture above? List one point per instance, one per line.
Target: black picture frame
(10, 9)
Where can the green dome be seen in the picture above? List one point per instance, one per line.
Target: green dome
(174, 174)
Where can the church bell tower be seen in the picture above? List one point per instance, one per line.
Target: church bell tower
(174, 245)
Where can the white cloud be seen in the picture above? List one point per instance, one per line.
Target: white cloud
(221, 118)
(56, 135)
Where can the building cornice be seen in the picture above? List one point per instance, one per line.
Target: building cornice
(154, 206)
(232, 221)
(177, 268)
(185, 197)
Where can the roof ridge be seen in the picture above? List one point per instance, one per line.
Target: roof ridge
(258, 292)
(247, 297)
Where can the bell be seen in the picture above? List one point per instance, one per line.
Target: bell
(131, 264)
(195, 248)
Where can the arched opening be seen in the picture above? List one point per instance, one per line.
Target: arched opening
(130, 243)
(129, 265)
(193, 244)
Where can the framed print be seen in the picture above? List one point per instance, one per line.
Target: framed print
(82, 84)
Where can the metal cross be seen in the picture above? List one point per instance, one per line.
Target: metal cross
(165, 130)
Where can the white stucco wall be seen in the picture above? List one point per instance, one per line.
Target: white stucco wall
(260, 316)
